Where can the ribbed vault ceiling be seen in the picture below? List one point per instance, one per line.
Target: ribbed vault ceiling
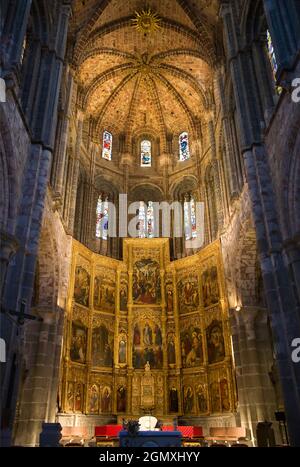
(131, 81)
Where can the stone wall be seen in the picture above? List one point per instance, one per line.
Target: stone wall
(37, 400)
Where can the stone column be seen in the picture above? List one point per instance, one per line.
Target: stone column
(35, 394)
(231, 166)
(36, 175)
(74, 176)
(280, 297)
(89, 217)
(62, 137)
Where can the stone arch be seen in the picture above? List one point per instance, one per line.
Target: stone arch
(290, 180)
(253, 40)
(294, 189)
(8, 177)
(111, 246)
(185, 184)
(146, 192)
(252, 21)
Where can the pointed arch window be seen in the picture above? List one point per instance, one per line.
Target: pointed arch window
(146, 220)
(184, 150)
(102, 218)
(107, 146)
(146, 154)
(273, 60)
(190, 224)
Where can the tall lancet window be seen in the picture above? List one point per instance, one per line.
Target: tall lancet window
(142, 225)
(190, 224)
(184, 150)
(107, 146)
(146, 220)
(273, 60)
(146, 156)
(150, 220)
(102, 218)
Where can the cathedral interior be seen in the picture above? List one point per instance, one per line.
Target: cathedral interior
(176, 112)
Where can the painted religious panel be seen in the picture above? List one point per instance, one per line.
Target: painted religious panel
(78, 342)
(201, 398)
(123, 292)
(210, 287)
(215, 398)
(106, 400)
(188, 295)
(121, 399)
(122, 349)
(191, 347)
(70, 397)
(225, 397)
(173, 400)
(169, 295)
(79, 392)
(215, 342)
(146, 282)
(102, 347)
(94, 399)
(104, 294)
(171, 349)
(188, 399)
(147, 345)
(82, 286)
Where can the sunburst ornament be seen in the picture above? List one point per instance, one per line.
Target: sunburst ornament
(146, 21)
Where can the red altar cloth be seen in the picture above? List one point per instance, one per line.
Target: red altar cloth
(112, 431)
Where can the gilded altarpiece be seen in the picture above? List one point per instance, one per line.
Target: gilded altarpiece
(147, 331)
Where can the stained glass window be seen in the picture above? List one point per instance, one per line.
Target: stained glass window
(24, 45)
(102, 218)
(150, 220)
(107, 146)
(184, 150)
(273, 60)
(142, 221)
(146, 220)
(146, 153)
(190, 224)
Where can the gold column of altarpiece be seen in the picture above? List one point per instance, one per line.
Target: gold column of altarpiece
(123, 314)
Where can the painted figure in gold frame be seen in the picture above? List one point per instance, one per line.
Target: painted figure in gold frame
(82, 286)
(215, 342)
(104, 294)
(173, 400)
(78, 342)
(191, 347)
(121, 399)
(146, 282)
(210, 287)
(102, 347)
(188, 400)
(94, 399)
(188, 295)
(106, 400)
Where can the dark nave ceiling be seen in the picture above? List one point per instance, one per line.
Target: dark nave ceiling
(133, 80)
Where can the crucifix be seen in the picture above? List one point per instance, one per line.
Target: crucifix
(21, 315)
